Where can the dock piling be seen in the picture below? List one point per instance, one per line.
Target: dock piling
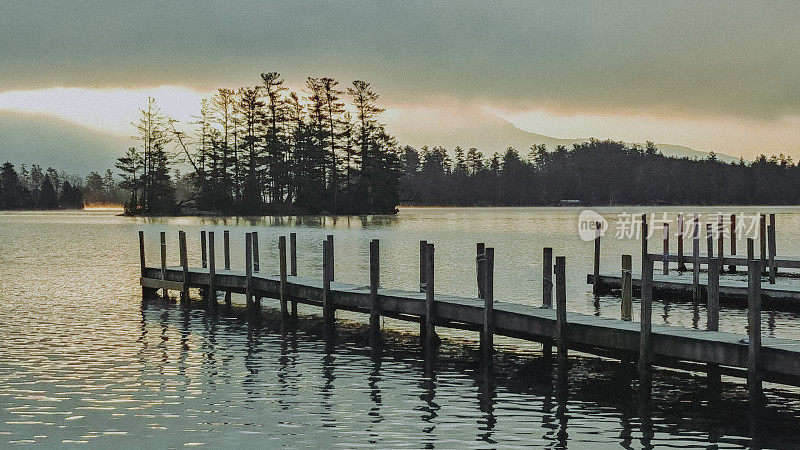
(423, 247)
(226, 243)
(720, 240)
(754, 331)
(681, 263)
(762, 241)
(645, 358)
(627, 287)
(547, 277)
(293, 254)
(480, 250)
(163, 237)
(327, 302)
(732, 267)
(141, 253)
(184, 265)
(248, 264)
(256, 263)
(374, 284)
(430, 305)
(561, 310)
(596, 279)
(283, 287)
(712, 324)
(488, 305)
(212, 271)
(751, 254)
(665, 269)
(331, 256)
(203, 252)
(696, 259)
(773, 269)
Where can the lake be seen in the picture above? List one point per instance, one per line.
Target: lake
(84, 360)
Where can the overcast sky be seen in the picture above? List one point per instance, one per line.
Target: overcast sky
(721, 76)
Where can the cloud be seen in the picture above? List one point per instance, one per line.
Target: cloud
(685, 56)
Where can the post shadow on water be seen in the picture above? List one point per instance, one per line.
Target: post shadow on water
(671, 399)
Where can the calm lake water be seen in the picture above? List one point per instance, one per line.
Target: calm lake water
(84, 361)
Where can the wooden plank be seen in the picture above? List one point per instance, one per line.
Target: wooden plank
(374, 284)
(547, 277)
(154, 283)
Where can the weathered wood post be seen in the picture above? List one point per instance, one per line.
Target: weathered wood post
(712, 324)
(627, 288)
(665, 262)
(751, 254)
(248, 265)
(713, 293)
(596, 278)
(696, 259)
(720, 241)
(561, 310)
(547, 293)
(547, 277)
(754, 330)
(284, 294)
(762, 236)
(681, 262)
(203, 251)
(327, 301)
(163, 236)
(423, 250)
(184, 265)
(293, 253)
(430, 305)
(331, 257)
(709, 244)
(212, 271)
(423, 247)
(732, 267)
(488, 305)
(773, 269)
(645, 232)
(374, 284)
(226, 244)
(645, 357)
(141, 253)
(256, 263)
(480, 249)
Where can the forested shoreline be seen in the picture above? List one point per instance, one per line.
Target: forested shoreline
(265, 150)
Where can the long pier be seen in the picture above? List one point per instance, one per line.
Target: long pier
(749, 355)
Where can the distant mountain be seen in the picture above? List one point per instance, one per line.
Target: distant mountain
(43, 140)
(493, 134)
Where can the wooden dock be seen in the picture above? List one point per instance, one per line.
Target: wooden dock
(740, 355)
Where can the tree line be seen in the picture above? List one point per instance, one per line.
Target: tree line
(35, 188)
(594, 173)
(265, 149)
